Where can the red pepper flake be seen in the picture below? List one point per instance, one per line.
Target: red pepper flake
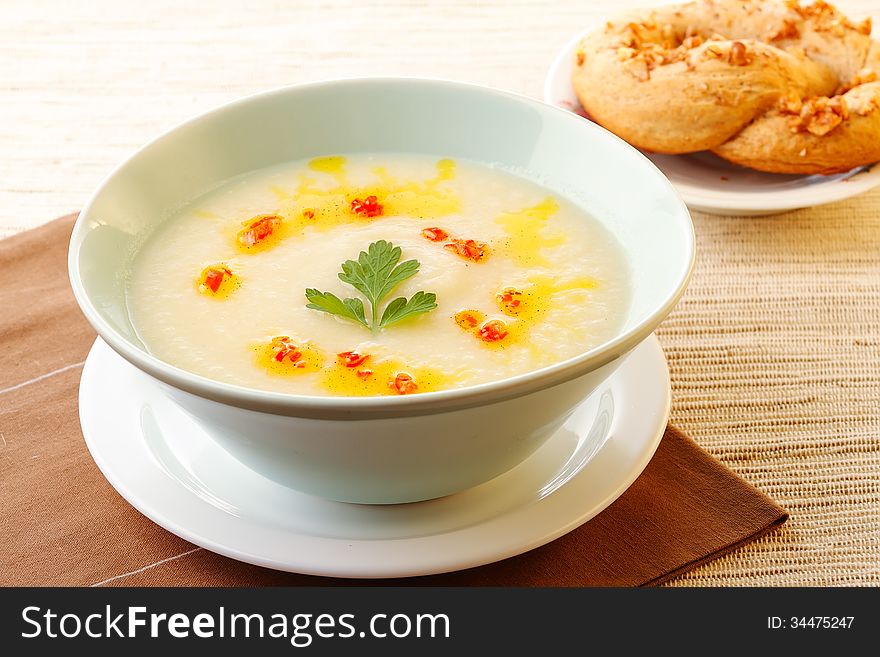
(510, 300)
(468, 249)
(435, 234)
(403, 384)
(258, 229)
(469, 319)
(212, 277)
(369, 207)
(364, 374)
(493, 331)
(285, 350)
(581, 56)
(352, 358)
(308, 213)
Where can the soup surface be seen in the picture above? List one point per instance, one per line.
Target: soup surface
(244, 286)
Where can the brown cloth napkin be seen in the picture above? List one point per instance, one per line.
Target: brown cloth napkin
(62, 524)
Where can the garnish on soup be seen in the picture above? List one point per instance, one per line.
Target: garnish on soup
(258, 230)
(379, 375)
(369, 207)
(435, 234)
(510, 300)
(284, 355)
(285, 350)
(362, 199)
(468, 249)
(403, 384)
(374, 274)
(352, 358)
(469, 319)
(215, 280)
(493, 331)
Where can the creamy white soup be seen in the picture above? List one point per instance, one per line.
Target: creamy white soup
(487, 276)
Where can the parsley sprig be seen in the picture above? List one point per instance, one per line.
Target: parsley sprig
(374, 274)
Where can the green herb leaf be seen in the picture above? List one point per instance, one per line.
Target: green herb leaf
(374, 274)
(400, 308)
(328, 302)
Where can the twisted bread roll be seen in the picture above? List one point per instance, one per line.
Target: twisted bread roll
(767, 84)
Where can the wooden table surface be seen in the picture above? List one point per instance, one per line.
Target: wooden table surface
(85, 84)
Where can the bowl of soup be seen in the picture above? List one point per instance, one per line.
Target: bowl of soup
(381, 290)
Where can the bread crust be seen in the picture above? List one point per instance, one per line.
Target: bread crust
(767, 84)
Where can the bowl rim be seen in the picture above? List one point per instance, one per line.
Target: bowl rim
(350, 408)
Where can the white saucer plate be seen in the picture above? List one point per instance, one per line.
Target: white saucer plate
(167, 467)
(709, 184)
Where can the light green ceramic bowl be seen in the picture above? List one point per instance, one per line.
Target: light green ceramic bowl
(402, 448)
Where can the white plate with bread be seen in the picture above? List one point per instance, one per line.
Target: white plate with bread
(792, 90)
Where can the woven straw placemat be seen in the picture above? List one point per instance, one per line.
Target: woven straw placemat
(775, 361)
